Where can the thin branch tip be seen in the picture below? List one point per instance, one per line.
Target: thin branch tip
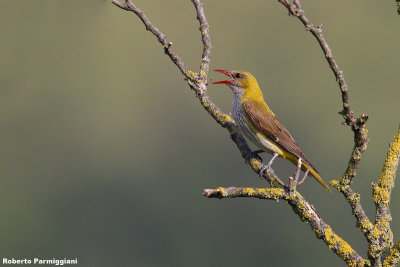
(120, 5)
(211, 193)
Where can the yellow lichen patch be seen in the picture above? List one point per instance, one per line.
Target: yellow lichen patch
(354, 198)
(221, 118)
(192, 75)
(365, 225)
(344, 180)
(356, 154)
(393, 256)
(388, 238)
(249, 191)
(334, 183)
(334, 242)
(278, 192)
(255, 164)
(381, 232)
(365, 263)
(374, 235)
(374, 250)
(380, 226)
(272, 193)
(381, 195)
(223, 191)
(301, 208)
(202, 72)
(386, 180)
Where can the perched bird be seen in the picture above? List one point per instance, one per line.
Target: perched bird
(259, 124)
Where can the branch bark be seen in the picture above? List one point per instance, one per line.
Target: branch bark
(304, 210)
(382, 238)
(393, 256)
(161, 37)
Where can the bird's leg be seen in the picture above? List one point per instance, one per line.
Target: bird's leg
(305, 175)
(254, 154)
(297, 173)
(272, 160)
(293, 182)
(267, 166)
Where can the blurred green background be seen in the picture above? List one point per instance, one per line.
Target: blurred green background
(106, 151)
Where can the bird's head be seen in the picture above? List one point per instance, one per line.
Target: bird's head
(240, 80)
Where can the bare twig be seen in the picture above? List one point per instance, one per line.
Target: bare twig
(205, 37)
(357, 125)
(162, 38)
(304, 210)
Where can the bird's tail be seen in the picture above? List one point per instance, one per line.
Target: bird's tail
(315, 174)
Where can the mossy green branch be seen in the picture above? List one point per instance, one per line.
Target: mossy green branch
(304, 210)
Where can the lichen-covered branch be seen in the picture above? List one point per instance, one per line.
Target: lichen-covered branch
(382, 238)
(304, 210)
(374, 233)
(357, 124)
(393, 257)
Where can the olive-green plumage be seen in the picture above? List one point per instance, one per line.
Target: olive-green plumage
(259, 124)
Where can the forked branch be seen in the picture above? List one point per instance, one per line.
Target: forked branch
(382, 237)
(304, 210)
(374, 233)
(357, 125)
(198, 82)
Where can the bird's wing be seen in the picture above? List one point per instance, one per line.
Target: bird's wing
(266, 122)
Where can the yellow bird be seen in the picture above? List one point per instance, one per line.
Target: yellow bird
(259, 124)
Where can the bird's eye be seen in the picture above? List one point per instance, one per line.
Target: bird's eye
(238, 75)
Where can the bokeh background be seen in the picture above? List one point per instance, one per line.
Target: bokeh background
(105, 151)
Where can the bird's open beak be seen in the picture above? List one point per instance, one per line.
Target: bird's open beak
(227, 73)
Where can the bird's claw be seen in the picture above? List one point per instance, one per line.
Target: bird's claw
(263, 169)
